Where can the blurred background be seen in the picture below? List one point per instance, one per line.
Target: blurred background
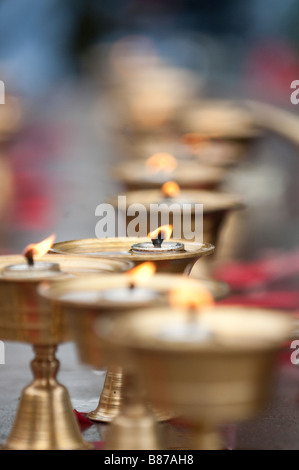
(71, 68)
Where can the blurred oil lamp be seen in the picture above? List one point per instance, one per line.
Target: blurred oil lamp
(122, 402)
(45, 418)
(153, 96)
(179, 205)
(161, 167)
(214, 150)
(231, 125)
(222, 118)
(191, 147)
(190, 300)
(221, 373)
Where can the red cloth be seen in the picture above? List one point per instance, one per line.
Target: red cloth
(85, 423)
(284, 300)
(260, 273)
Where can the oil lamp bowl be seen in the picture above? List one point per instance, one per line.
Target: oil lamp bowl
(25, 317)
(227, 378)
(189, 175)
(82, 313)
(121, 249)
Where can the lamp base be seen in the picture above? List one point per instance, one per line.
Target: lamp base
(45, 419)
(111, 397)
(133, 429)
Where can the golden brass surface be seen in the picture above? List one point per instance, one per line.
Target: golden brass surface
(225, 378)
(44, 419)
(135, 426)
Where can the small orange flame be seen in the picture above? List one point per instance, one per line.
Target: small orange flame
(190, 298)
(164, 232)
(161, 161)
(38, 249)
(170, 189)
(142, 273)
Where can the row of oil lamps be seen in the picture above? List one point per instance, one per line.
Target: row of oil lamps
(130, 305)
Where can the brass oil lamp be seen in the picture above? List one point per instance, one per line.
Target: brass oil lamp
(44, 418)
(171, 199)
(162, 167)
(212, 366)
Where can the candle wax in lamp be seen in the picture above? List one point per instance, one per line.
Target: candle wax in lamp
(127, 294)
(114, 295)
(165, 247)
(24, 271)
(82, 296)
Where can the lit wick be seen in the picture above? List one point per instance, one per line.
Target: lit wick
(136, 288)
(170, 190)
(39, 269)
(160, 234)
(157, 242)
(29, 257)
(189, 300)
(38, 249)
(140, 274)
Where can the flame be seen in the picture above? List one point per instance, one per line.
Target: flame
(164, 232)
(142, 273)
(195, 141)
(161, 161)
(39, 249)
(170, 189)
(191, 298)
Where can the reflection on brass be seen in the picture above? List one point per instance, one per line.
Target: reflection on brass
(225, 378)
(111, 397)
(45, 419)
